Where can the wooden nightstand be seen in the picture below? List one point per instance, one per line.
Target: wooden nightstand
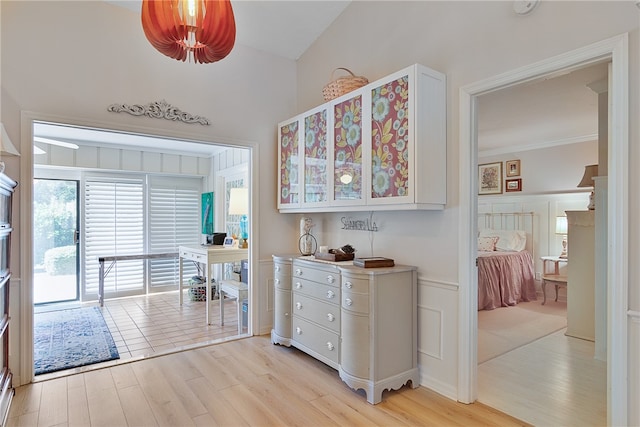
(553, 277)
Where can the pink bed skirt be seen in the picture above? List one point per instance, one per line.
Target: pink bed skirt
(504, 279)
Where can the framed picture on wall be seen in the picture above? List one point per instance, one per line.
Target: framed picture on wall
(490, 178)
(513, 185)
(513, 167)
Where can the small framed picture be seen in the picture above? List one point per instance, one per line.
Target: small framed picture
(513, 167)
(513, 184)
(230, 242)
(490, 178)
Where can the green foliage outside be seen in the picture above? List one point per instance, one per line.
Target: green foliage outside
(54, 216)
(59, 261)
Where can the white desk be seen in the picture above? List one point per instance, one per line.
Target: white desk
(208, 255)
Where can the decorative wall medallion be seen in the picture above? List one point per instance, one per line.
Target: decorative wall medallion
(158, 110)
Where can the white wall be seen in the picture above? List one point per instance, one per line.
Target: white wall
(549, 170)
(469, 42)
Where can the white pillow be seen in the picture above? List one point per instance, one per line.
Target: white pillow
(487, 244)
(508, 240)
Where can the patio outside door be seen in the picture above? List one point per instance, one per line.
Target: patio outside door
(55, 241)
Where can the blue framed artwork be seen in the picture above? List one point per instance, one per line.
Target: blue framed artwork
(207, 213)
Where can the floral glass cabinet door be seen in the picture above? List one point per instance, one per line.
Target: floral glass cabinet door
(347, 149)
(315, 157)
(391, 141)
(289, 155)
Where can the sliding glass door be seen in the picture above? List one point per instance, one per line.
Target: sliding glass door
(55, 240)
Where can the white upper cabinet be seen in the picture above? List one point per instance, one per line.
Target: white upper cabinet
(380, 147)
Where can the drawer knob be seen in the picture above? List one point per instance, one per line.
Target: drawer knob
(286, 315)
(348, 285)
(299, 305)
(298, 272)
(277, 268)
(331, 279)
(298, 330)
(348, 301)
(330, 346)
(277, 281)
(330, 294)
(331, 317)
(298, 285)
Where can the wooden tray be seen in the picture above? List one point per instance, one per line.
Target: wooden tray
(334, 257)
(373, 262)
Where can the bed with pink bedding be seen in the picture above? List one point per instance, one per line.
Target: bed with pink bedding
(505, 268)
(505, 279)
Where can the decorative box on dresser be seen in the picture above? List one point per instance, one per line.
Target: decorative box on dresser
(360, 321)
(7, 186)
(581, 275)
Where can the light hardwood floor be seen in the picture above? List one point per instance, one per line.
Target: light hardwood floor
(245, 382)
(554, 381)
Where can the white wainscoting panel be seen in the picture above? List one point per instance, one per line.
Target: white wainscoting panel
(86, 157)
(438, 335)
(152, 162)
(132, 160)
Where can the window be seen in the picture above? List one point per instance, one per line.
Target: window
(174, 220)
(134, 215)
(114, 225)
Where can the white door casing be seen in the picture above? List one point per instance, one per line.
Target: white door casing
(615, 50)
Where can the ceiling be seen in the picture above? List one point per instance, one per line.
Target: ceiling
(283, 28)
(551, 111)
(558, 110)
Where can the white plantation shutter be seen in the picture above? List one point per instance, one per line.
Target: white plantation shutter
(114, 225)
(174, 220)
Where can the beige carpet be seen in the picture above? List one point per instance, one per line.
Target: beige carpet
(507, 328)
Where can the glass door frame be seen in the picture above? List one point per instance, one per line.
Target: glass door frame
(54, 175)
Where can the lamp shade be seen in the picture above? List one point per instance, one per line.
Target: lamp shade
(561, 225)
(204, 30)
(238, 201)
(590, 171)
(6, 146)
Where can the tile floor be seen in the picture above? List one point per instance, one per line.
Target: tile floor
(149, 325)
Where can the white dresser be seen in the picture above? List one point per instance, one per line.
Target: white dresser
(360, 321)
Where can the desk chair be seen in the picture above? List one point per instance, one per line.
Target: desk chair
(237, 290)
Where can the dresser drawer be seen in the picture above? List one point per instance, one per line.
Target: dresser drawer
(282, 281)
(351, 284)
(328, 276)
(316, 338)
(327, 315)
(322, 292)
(284, 269)
(357, 303)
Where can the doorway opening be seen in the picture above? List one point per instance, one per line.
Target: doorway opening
(615, 50)
(157, 183)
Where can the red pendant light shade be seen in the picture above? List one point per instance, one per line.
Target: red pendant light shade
(204, 30)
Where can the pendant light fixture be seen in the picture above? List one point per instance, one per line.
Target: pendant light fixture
(202, 30)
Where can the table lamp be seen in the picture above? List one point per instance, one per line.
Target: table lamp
(562, 229)
(590, 171)
(239, 205)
